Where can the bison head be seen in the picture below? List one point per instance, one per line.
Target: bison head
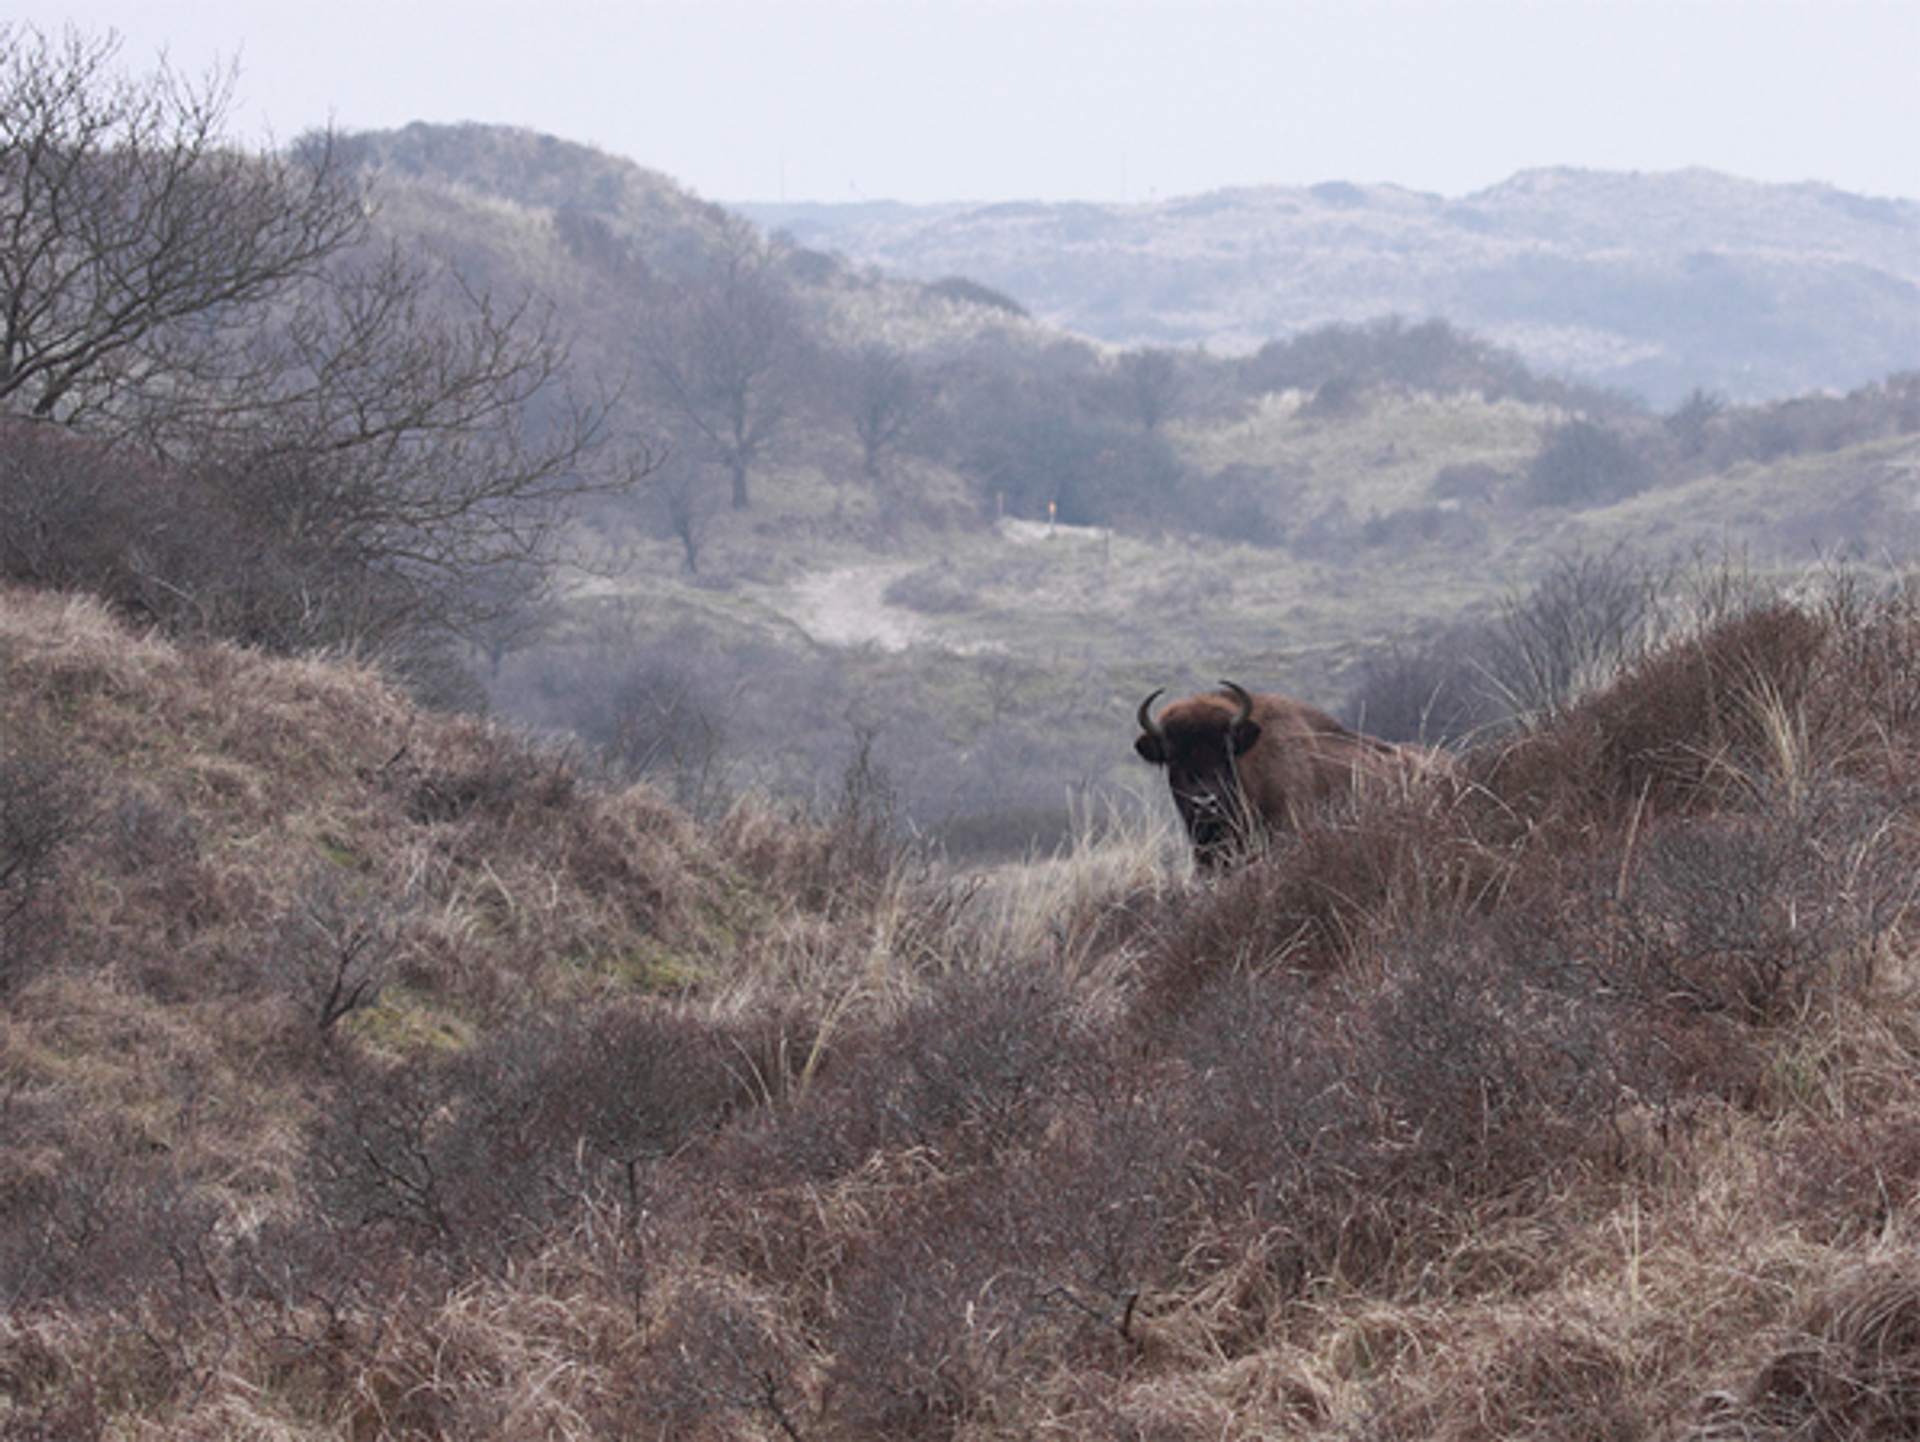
(1200, 742)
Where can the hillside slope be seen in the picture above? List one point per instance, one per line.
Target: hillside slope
(367, 1073)
(1654, 284)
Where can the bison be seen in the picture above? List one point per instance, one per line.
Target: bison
(1243, 766)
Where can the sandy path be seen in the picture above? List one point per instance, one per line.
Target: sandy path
(845, 608)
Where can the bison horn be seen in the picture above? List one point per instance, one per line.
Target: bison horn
(1245, 713)
(1148, 723)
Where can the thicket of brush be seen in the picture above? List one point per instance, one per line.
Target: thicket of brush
(366, 1073)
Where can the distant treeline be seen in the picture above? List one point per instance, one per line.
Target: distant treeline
(1066, 426)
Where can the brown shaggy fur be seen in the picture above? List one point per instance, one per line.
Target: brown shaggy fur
(1285, 760)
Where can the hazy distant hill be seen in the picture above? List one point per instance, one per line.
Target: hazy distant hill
(1651, 283)
(612, 207)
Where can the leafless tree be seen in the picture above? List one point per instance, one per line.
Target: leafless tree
(1692, 422)
(135, 242)
(887, 398)
(405, 444)
(1149, 386)
(724, 355)
(683, 488)
(404, 429)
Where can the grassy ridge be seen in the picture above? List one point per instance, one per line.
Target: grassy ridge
(368, 1073)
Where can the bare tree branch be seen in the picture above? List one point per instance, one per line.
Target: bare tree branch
(404, 446)
(126, 220)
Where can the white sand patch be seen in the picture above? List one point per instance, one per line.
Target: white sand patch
(846, 607)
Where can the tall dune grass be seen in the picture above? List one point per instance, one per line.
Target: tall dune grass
(1579, 1102)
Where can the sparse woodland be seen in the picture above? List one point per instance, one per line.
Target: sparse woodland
(370, 1067)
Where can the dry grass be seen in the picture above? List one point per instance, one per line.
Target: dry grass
(1579, 1104)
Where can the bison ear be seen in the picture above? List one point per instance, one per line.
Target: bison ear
(1150, 748)
(1244, 737)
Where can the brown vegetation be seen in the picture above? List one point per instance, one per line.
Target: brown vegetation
(370, 1073)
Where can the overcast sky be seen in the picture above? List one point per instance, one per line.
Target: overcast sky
(927, 100)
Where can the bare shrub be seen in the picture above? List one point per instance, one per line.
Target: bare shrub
(1874, 659)
(930, 1199)
(334, 950)
(140, 832)
(666, 723)
(1305, 904)
(104, 1230)
(479, 1154)
(1369, 1133)
(1461, 1071)
(971, 1071)
(981, 1279)
(1855, 1175)
(76, 515)
(1466, 1054)
(637, 1081)
(1581, 463)
(717, 1352)
(933, 1316)
(1436, 692)
(847, 857)
(1581, 620)
(1758, 914)
(375, 1154)
(49, 1393)
(1647, 1050)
